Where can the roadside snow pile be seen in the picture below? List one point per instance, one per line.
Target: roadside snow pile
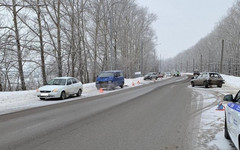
(231, 81)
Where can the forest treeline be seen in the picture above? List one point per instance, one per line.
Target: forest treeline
(206, 54)
(43, 39)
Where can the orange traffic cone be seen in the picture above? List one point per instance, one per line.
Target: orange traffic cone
(101, 90)
(220, 107)
(133, 84)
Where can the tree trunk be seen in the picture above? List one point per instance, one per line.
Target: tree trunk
(59, 51)
(19, 53)
(95, 43)
(44, 77)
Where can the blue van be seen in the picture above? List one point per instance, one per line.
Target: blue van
(110, 79)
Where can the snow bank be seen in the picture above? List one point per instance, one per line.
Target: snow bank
(20, 100)
(232, 81)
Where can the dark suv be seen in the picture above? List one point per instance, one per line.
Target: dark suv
(150, 76)
(208, 78)
(110, 79)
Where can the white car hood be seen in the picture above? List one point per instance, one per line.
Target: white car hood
(50, 87)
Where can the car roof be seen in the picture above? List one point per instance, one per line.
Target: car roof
(63, 77)
(113, 71)
(211, 72)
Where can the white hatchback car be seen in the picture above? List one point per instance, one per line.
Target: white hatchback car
(60, 87)
(232, 119)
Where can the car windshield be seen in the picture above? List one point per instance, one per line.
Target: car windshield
(106, 74)
(57, 82)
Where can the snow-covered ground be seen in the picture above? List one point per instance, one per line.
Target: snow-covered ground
(209, 133)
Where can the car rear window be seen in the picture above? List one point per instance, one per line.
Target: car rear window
(214, 75)
(106, 74)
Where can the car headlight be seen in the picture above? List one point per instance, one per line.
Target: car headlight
(55, 90)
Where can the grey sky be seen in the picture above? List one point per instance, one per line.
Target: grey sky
(182, 23)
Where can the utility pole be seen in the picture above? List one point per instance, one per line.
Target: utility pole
(201, 64)
(238, 55)
(193, 64)
(160, 64)
(141, 67)
(154, 64)
(221, 63)
(111, 43)
(181, 67)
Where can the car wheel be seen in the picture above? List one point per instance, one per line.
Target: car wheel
(219, 85)
(205, 84)
(192, 83)
(113, 88)
(79, 93)
(63, 95)
(121, 86)
(226, 134)
(109, 87)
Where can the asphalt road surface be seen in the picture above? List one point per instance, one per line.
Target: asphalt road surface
(150, 117)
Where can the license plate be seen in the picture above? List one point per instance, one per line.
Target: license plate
(44, 94)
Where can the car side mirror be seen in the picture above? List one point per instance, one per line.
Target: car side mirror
(228, 98)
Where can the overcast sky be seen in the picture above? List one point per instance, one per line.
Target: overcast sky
(182, 23)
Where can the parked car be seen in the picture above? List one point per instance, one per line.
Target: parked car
(60, 87)
(160, 75)
(150, 76)
(110, 79)
(232, 119)
(207, 78)
(196, 72)
(137, 74)
(168, 74)
(177, 74)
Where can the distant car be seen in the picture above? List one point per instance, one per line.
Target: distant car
(150, 76)
(138, 74)
(60, 87)
(177, 74)
(160, 75)
(208, 78)
(196, 72)
(232, 119)
(168, 74)
(110, 79)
